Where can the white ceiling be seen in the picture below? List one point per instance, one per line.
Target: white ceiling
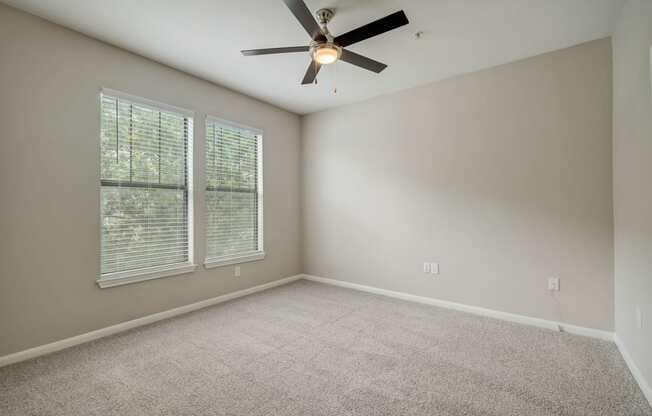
(204, 38)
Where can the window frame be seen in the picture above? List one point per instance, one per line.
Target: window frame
(212, 262)
(154, 272)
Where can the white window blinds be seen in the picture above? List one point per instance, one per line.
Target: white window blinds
(233, 192)
(145, 187)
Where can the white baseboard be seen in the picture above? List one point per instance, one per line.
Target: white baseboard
(633, 368)
(541, 323)
(100, 333)
(124, 326)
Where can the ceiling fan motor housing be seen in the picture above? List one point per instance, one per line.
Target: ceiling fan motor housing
(324, 16)
(325, 52)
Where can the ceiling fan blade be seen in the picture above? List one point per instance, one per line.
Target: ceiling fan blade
(269, 51)
(362, 61)
(311, 73)
(372, 29)
(303, 15)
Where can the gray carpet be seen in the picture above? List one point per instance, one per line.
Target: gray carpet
(312, 349)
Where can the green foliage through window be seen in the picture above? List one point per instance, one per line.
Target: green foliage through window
(144, 177)
(232, 190)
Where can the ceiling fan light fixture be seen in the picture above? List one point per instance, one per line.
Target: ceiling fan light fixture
(326, 54)
(327, 49)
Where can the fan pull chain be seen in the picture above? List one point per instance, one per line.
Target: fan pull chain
(335, 79)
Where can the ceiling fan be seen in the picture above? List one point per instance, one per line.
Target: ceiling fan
(325, 48)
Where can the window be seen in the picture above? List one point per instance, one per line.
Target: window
(234, 198)
(146, 190)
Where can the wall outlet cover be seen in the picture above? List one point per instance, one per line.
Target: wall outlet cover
(553, 284)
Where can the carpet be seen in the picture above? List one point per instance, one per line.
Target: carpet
(313, 349)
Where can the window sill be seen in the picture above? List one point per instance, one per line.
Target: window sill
(225, 261)
(125, 278)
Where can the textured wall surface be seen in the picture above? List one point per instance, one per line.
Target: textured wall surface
(50, 79)
(633, 181)
(502, 176)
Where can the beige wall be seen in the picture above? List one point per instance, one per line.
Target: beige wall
(50, 78)
(633, 181)
(502, 176)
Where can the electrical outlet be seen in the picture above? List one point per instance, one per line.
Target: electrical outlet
(426, 267)
(639, 318)
(553, 284)
(236, 272)
(434, 268)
